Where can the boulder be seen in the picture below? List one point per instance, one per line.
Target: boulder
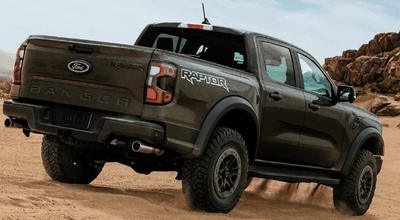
(368, 78)
(377, 105)
(336, 67)
(393, 66)
(388, 41)
(352, 54)
(362, 59)
(367, 66)
(394, 39)
(372, 48)
(361, 50)
(387, 83)
(390, 110)
(356, 71)
(384, 43)
(353, 77)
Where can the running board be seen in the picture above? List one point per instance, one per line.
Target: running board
(292, 175)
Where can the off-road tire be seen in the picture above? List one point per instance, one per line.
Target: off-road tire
(248, 181)
(64, 163)
(354, 194)
(224, 156)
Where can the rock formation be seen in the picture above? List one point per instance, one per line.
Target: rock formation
(374, 66)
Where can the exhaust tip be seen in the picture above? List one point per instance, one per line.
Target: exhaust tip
(8, 122)
(142, 148)
(136, 146)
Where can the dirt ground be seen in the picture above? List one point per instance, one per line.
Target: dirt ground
(27, 192)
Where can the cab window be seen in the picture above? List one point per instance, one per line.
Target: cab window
(278, 63)
(314, 79)
(221, 48)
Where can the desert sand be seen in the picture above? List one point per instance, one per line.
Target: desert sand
(27, 192)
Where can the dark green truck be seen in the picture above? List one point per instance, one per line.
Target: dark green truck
(217, 105)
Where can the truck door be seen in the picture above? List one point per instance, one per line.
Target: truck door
(283, 105)
(322, 134)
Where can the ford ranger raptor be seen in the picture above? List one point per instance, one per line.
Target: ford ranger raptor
(217, 105)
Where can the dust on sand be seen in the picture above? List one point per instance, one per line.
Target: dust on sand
(27, 192)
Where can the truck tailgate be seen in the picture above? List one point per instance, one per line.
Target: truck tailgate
(112, 78)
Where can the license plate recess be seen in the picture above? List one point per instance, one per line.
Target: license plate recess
(76, 119)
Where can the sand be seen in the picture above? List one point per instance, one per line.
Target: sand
(27, 192)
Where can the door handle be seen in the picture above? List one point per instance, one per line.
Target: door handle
(275, 96)
(314, 107)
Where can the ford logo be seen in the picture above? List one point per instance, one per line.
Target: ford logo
(80, 67)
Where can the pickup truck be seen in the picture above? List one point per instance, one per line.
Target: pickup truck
(217, 105)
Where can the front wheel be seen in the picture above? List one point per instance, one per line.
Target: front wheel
(215, 181)
(354, 194)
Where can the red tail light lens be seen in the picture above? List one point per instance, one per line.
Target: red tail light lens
(160, 83)
(18, 65)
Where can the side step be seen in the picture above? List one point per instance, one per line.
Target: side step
(292, 175)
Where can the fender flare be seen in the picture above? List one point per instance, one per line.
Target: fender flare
(355, 148)
(213, 117)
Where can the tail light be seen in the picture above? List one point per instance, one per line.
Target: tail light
(18, 65)
(160, 83)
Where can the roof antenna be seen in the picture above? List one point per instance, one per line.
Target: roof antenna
(205, 19)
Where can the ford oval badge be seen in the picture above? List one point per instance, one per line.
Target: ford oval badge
(80, 67)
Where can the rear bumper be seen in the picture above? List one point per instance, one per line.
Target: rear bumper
(102, 128)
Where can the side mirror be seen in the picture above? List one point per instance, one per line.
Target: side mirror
(346, 94)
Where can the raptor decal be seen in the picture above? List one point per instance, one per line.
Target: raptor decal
(199, 77)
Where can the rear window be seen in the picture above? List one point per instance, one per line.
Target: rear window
(222, 48)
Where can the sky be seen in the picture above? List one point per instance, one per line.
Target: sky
(324, 28)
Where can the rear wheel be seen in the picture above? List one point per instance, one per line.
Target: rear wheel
(248, 181)
(66, 164)
(354, 194)
(215, 181)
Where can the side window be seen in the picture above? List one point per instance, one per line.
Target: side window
(314, 80)
(278, 63)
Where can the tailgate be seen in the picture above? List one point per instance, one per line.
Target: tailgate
(85, 73)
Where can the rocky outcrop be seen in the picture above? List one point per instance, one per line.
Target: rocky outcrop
(375, 65)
